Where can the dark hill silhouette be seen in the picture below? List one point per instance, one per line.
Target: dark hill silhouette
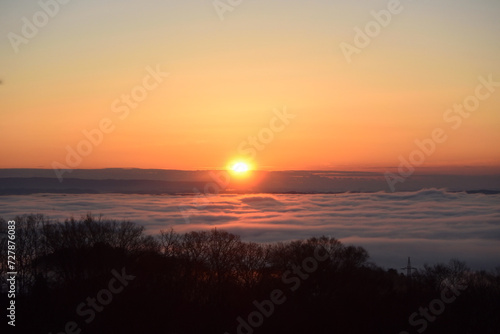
(105, 276)
(157, 181)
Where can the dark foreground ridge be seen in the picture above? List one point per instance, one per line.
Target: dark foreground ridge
(93, 275)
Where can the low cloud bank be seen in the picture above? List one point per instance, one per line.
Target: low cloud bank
(429, 225)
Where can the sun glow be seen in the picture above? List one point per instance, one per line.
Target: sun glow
(240, 167)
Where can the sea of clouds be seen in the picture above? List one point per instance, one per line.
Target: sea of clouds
(430, 225)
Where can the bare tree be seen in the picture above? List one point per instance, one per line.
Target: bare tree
(252, 263)
(169, 242)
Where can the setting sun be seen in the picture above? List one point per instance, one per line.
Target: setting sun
(240, 167)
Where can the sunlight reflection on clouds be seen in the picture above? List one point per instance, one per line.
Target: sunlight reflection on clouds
(430, 224)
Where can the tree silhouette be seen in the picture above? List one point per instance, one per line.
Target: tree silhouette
(210, 281)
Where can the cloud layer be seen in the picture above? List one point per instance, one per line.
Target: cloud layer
(428, 225)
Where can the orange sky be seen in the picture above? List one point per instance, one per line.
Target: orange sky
(228, 79)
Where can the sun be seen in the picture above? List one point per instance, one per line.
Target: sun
(240, 167)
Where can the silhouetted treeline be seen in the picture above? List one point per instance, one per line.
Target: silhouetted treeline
(92, 275)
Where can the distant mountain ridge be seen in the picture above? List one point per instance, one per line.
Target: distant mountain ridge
(156, 181)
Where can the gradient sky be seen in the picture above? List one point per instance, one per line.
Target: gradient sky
(227, 76)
